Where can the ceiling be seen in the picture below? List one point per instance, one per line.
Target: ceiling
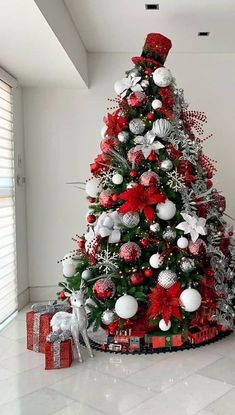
(121, 26)
(29, 49)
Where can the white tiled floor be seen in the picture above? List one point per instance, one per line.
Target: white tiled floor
(194, 382)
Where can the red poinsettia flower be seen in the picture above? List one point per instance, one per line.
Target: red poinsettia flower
(115, 123)
(140, 199)
(100, 163)
(165, 302)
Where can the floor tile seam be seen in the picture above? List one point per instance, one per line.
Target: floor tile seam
(76, 400)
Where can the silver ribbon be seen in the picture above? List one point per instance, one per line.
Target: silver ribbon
(56, 339)
(39, 310)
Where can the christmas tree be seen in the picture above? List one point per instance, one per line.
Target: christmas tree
(157, 255)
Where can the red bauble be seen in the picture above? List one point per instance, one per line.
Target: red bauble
(209, 183)
(91, 218)
(62, 295)
(130, 252)
(135, 157)
(81, 244)
(133, 173)
(136, 278)
(115, 197)
(107, 144)
(148, 71)
(144, 242)
(104, 289)
(197, 248)
(149, 178)
(92, 199)
(106, 198)
(152, 156)
(137, 99)
(150, 116)
(148, 272)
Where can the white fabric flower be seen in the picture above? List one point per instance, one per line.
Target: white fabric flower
(146, 144)
(131, 82)
(108, 225)
(193, 225)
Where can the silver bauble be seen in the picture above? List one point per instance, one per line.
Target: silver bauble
(166, 165)
(86, 274)
(155, 227)
(107, 317)
(130, 220)
(137, 126)
(169, 234)
(167, 278)
(123, 136)
(187, 264)
(162, 128)
(144, 83)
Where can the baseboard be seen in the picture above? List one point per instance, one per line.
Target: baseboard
(45, 293)
(23, 299)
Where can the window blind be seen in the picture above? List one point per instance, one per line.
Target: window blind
(8, 280)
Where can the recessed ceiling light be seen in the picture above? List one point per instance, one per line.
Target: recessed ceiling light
(203, 33)
(152, 6)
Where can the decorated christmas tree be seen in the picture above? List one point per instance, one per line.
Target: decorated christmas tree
(157, 257)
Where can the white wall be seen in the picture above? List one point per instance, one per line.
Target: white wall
(62, 135)
(21, 226)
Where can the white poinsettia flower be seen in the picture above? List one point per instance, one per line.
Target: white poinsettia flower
(108, 225)
(146, 144)
(194, 225)
(131, 82)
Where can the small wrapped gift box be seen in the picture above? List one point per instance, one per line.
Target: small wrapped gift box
(58, 351)
(38, 324)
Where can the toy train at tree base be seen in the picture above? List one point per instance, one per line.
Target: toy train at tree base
(130, 341)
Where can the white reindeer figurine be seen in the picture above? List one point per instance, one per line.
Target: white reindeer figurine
(76, 322)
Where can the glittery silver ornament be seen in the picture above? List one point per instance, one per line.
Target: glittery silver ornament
(137, 126)
(166, 165)
(167, 278)
(123, 136)
(107, 317)
(155, 227)
(144, 83)
(169, 234)
(86, 274)
(130, 220)
(187, 264)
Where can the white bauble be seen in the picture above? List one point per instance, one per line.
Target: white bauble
(86, 274)
(190, 299)
(93, 187)
(182, 242)
(126, 306)
(162, 77)
(68, 269)
(117, 178)
(156, 260)
(166, 210)
(156, 103)
(162, 127)
(163, 326)
(103, 131)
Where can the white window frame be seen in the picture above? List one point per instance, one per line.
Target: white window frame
(12, 82)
